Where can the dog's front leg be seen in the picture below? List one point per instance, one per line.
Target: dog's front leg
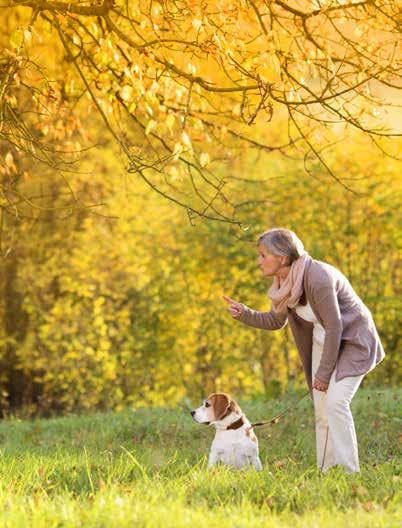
(255, 460)
(213, 458)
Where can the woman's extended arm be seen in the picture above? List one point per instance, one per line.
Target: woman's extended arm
(265, 320)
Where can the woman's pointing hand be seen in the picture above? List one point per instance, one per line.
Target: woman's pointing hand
(235, 308)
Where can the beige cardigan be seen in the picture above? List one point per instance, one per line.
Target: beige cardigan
(352, 344)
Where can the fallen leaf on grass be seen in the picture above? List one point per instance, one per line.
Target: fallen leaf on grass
(368, 506)
(359, 491)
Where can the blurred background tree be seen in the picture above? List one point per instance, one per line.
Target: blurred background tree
(126, 308)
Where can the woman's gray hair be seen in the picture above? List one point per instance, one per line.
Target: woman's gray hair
(282, 242)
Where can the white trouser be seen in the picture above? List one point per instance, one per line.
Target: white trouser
(334, 427)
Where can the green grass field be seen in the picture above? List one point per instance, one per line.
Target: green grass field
(147, 468)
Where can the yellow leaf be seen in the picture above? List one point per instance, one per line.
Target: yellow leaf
(270, 68)
(16, 38)
(170, 122)
(27, 36)
(197, 24)
(191, 68)
(178, 149)
(126, 93)
(204, 159)
(76, 40)
(150, 126)
(236, 110)
(9, 160)
(186, 140)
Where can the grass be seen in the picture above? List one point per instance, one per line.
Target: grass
(147, 468)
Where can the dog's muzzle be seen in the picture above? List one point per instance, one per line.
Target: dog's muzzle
(193, 417)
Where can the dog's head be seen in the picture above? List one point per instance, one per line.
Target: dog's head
(216, 408)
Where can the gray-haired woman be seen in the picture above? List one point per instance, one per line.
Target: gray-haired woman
(334, 333)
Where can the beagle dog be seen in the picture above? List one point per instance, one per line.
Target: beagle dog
(235, 443)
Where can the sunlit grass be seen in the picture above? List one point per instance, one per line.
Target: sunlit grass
(147, 468)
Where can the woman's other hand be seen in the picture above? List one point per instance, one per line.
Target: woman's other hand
(320, 385)
(235, 308)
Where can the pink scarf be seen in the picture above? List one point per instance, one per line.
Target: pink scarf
(287, 295)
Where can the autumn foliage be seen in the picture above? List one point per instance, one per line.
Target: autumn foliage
(180, 86)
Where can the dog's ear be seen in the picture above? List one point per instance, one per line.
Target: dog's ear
(220, 404)
(234, 407)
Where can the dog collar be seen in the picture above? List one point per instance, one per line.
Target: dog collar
(237, 424)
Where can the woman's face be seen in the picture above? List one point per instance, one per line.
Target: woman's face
(269, 264)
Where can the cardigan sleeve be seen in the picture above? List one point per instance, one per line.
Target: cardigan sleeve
(327, 307)
(265, 320)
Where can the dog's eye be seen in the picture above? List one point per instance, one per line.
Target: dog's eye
(207, 404)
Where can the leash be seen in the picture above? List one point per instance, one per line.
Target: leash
(325, 451)
(276, 418)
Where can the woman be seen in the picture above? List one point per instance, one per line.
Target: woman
(334, 333)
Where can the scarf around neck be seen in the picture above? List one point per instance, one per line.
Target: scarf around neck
(287, 295)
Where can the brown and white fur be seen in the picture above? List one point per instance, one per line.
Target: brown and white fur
(235, 443)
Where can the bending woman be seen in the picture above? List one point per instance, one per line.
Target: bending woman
(334, 333)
